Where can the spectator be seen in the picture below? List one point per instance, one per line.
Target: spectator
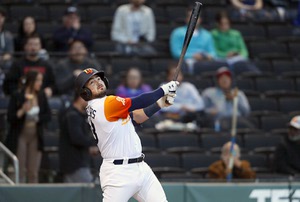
(6, 43)
(133, 85)
(71, 31)
(188, 101)
(27, 28)
(230, 46)
(76, 143)
(30, 61)
(241, 168)
(218, 101)
(28, 112)
(251, 9)
(287, 154)
(133, 29)
(68, 69)
(201, 47)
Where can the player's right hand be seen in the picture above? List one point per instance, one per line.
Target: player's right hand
(170, 87)
(166, 100)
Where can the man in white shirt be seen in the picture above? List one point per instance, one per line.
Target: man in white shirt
(134, 28)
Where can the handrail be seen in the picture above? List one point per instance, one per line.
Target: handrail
(15, 160)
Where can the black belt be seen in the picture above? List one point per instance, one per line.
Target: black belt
(135, 160)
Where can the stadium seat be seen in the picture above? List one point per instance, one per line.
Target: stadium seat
(200, 83)
(170, 2)
(123, 64)
(198, 163)
(251, 32)
(179, 143)
(269, 123)
(294, 49)
(176, 13)
(99, 30)
(51, 142)
(55, 104)
(163, 31)
(245, 84)
(100, 13)
(47, 29)
(264, 65)
(261, 143)
(281, 32)
(259, 162)
(104, 48)
(19, 12)
(264, 106)
(275, 87)
(288, 105)
(207, 66)
(215, 142)
(163, 163)
(160, 65)
(160, 15)
(286, 67)
(148, 143)
(268, 50)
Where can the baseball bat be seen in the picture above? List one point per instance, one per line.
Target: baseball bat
(188, 35)
(233, 134)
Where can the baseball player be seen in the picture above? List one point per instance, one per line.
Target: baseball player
(123, 173)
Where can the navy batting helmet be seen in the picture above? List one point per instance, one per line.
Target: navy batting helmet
(83, 78)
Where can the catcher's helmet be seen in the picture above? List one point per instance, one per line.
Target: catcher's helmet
(83, 77)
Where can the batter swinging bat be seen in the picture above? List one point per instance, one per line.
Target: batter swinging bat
(188, 35)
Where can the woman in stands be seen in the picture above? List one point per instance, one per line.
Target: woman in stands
(28, 27)
(28, 111)
(133, 85)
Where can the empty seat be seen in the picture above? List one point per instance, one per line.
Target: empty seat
(263, 106)
(264, 65)
(207, 66)
(123, 64)
(160, 15)
(269, 123)
(161, 65)
(55, 104)
(19, 12)
(251, 32)
(268, 50)
(274, 86)
(198, 163)
(281, 32)
(261, 142)
(163, 31)
(176, 13)
(104, 47)
(101, 13)
(161, 163)
(258, 162)
(99, 30)
(178, 143)
(46, 28)
(294, 49)
(51, 141)
(200, 83)
(288, 105)
(148, 143)
(286, 67)
(245, 84)
(4, 101)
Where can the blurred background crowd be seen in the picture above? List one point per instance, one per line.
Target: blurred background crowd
(247, 47)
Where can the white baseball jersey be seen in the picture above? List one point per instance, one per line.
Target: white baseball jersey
(112, 127)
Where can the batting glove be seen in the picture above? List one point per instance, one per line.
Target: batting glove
(166, 100)
(170, 87)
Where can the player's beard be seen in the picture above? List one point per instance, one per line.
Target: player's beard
(100, 95)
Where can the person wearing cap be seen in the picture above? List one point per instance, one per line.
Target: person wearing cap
(219, 100)
(241, 168)
(6, 43)
(287, 154)
(123, 173)
(133, 28)
(71, 31)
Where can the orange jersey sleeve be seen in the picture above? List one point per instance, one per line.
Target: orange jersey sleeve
(116, 107)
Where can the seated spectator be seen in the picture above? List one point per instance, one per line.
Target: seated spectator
(201, 47)
(76, 143)
(133, 29)
(218, 101)
(251, 9)
(28, 112)
(69, 68)
(27, 28)
(287, 154)
(188, 101)
(133, 85)
(6, 43)
(30, 61)
(241, 168)
(71, 30)
(230, 46)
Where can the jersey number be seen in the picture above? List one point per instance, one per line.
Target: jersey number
(94, 131)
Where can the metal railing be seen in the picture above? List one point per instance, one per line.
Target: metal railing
(16, 165)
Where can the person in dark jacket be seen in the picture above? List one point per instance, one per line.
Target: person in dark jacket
(31, 61)
(28, 111)
(287, 154)
(71, 30)
(76, 143)
(69, 68)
